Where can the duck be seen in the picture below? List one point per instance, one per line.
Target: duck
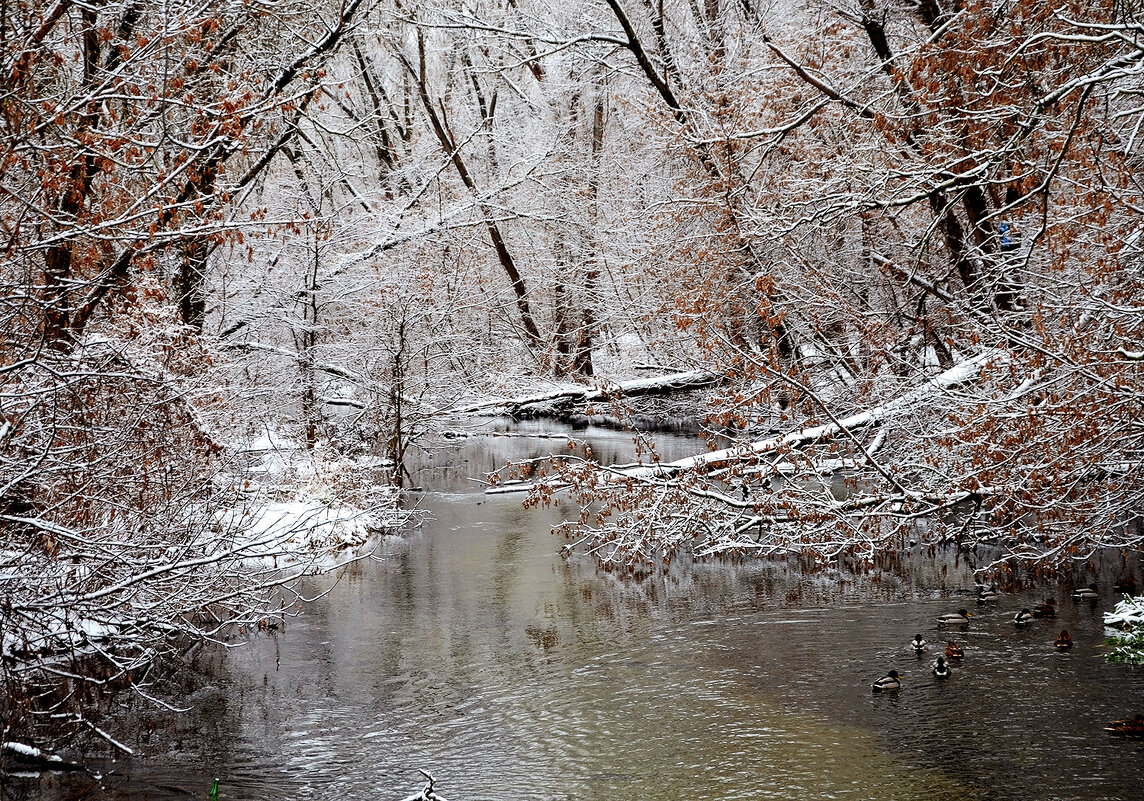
(918, 643)
(1023, 618)
(891, 681)
(1047, 609)
(987, 595)
(958, 618)
(1127, 727)
(1089, 593)
(954, 651)
(1126, 585)
(1064, 641)
(941, 669)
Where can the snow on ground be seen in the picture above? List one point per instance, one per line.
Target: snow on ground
(307, 506)
(297, 512)
(1126, 644)
(317, 533)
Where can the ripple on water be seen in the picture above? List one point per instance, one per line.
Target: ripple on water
(473, 651)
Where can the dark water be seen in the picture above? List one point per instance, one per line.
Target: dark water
(471, 650)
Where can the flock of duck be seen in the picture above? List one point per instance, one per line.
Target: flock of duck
(941, 670)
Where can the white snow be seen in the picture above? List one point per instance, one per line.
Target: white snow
(586, 394)
(1127, 614)
(28, 751)
(294, 511)
(270, 441)
(958, 374)
(285, 533)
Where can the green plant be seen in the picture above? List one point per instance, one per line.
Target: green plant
(1129, 646)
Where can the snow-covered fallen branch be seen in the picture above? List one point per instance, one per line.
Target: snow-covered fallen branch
(963, 373)
(33, 757)
(1127, 614)
(576, 394)
(427, 793)
(958, 375)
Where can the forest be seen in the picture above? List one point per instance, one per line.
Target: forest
(255, 253)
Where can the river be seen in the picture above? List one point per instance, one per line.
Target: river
(470, 649)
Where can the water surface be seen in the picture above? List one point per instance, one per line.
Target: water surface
(470, 649)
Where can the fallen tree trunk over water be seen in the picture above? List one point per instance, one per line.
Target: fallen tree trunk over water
(985, 452)
(21, 756)
(562, 402)
(963, 373)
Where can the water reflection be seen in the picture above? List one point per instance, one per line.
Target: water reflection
(470, 649)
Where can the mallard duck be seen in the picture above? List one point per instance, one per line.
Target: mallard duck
(891, 681)
(1023, 618)
(958, 618)
(941, 669)
(954, 651)
(1127, 727)
(1063, 642)
(987, 595)
(1047, 609)
(1089, 593)
(1126, 585)
(918, 643)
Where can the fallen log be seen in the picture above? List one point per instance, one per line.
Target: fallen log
(960, 374)
(29, 757)
(957, 375)
(563, 400)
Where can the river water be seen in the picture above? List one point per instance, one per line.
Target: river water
(470, 649)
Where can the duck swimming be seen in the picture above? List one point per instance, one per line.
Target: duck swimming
(1089, 593)
(986, 595)
(1047, 609)
(1023, 618)
(958, 618)
(941, 669)
(1127, 727)
(1063, 642)
(1126, 585)
(891, 681)
(918, 644)
(954, 651)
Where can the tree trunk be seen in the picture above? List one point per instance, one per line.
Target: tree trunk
(504, 256)
(192, 272)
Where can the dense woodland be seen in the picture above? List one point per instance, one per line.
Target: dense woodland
(904, 238)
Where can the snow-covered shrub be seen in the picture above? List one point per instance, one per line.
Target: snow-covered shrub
(1129, 645)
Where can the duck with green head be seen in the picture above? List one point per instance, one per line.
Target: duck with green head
(1089, 593)
(958, 618)
(891, 681)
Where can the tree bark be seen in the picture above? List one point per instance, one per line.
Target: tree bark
(504, 255)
